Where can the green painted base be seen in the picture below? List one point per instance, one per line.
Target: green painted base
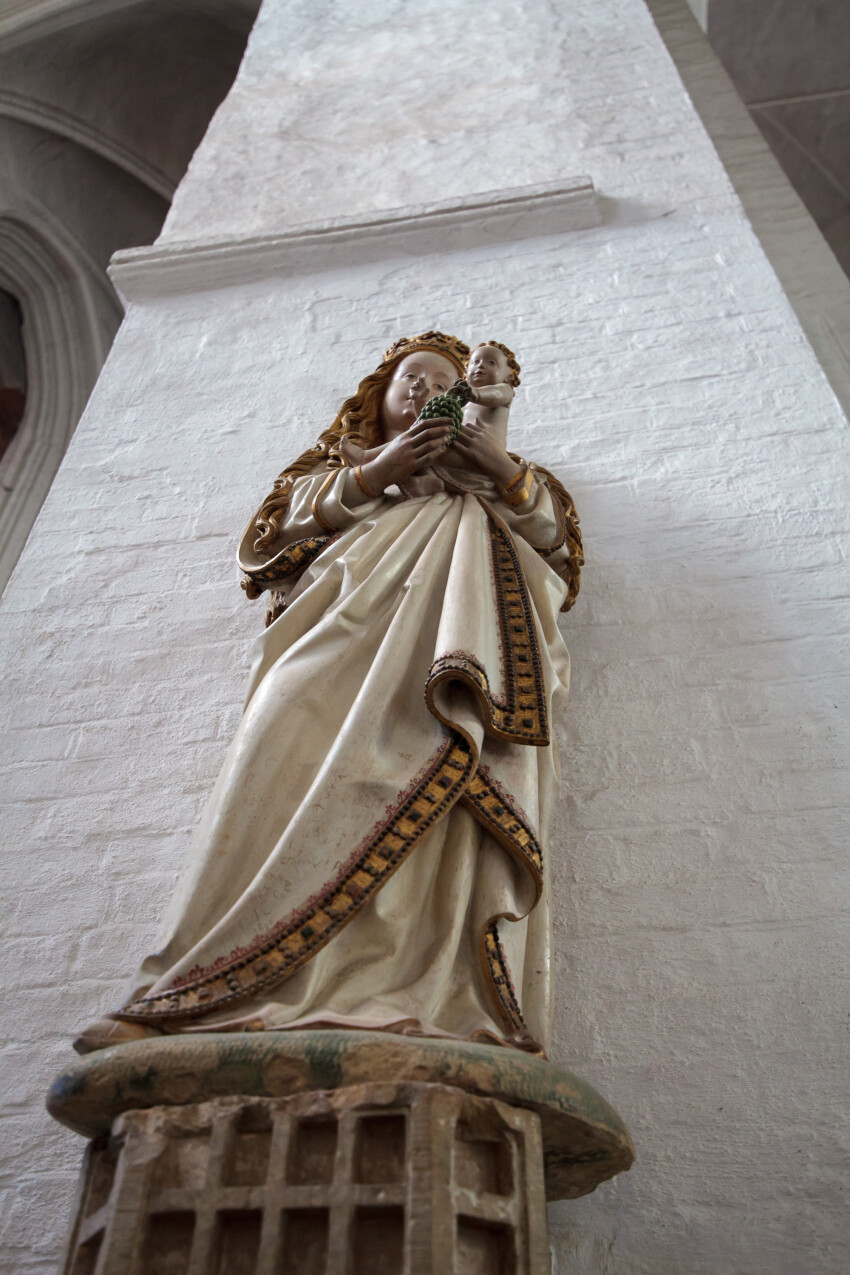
(585, 1142)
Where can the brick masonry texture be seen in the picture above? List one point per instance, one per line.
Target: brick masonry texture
(696, 855)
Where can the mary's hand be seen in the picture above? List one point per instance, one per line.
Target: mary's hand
(418, 446)
(480, 450)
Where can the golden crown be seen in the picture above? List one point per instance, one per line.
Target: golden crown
(450, 346)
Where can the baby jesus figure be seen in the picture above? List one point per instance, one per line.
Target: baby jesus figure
(492, 375)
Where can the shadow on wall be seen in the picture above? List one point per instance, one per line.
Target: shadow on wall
(691, 848)
(102, 106)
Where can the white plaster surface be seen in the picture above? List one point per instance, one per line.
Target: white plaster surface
(698, 850)
(343, 107)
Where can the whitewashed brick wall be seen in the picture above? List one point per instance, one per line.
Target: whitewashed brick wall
(698, 855)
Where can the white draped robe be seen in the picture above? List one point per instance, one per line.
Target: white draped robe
(374, 853)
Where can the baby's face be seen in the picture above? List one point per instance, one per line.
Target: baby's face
(487, 366)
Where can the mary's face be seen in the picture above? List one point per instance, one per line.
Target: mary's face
(417, 378)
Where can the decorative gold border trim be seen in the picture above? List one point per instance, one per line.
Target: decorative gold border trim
(299, 937)
(522, 718)
(363, 485)
(292, 560)
(494, 812)
(500, 979)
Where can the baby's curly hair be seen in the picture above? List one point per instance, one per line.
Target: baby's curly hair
(509, 355)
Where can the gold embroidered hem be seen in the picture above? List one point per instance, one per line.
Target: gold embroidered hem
(295, 940)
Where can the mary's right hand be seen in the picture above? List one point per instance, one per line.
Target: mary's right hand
(417, 447)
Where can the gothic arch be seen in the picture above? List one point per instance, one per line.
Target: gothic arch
(65, 346)
(19, 106)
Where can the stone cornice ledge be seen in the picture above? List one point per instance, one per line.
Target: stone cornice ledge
(497, 216)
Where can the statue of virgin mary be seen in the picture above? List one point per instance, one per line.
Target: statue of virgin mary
(374, 852)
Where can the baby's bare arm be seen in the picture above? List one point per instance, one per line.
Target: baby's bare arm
(494, 395)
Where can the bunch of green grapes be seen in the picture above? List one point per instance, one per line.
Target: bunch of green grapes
(450, 404)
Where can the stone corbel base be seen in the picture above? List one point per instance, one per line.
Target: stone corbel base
(326, 1153)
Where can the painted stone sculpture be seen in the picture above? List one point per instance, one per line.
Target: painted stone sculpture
(374, 852)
